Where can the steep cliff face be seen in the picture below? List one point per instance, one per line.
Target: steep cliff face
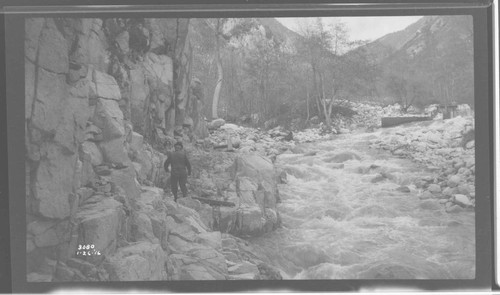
(89, 84)
(102, 95)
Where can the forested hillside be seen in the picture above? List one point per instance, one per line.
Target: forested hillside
(272, 74)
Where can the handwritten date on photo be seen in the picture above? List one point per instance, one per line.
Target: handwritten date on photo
(87, 250)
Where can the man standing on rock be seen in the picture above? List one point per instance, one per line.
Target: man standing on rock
(181, 168)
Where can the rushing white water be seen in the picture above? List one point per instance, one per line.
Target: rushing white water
(339, 223)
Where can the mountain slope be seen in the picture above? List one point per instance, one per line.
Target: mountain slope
(431, 61)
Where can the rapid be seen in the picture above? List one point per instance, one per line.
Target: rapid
(351, 212)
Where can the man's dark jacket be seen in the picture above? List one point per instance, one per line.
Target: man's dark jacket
(179, 161)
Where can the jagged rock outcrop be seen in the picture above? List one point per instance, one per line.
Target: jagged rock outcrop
(249, 181)
(87, 80)
(102, 95)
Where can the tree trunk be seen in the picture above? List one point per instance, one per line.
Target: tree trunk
(328, 120)
(307, 104)
(220, 76)
(315, 85)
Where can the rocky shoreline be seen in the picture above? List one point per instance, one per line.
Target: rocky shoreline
(441, 147)
(99, 119)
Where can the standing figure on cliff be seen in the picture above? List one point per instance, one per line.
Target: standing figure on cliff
(181, 169)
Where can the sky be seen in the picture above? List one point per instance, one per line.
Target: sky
(362, 28)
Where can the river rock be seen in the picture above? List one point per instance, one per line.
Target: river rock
(454, 181)
(434, 188)
(139, 262)
(462, 200)
(454, 209)
(430, 205)
(231, 128)
(448, 191)
(215, 124)
(378, 178)
(465, 171)
(426, 195)
(464, 189)
(403, 189)
(470, 145)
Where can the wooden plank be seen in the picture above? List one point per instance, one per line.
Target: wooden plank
(394, 121)
(213, 202)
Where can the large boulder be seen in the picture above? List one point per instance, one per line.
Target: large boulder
(29, 87)
(216, 124)
(142, 228)
(51, 90)
(143, 261)
(53, 182)
(33, 29)
(71, 129)
(257, 195)
(199, 264)
(91, 46)
(136, 142)
(125, 178)
(109, 118)
(105, 86)
(44, 233)
(95, 154)
(255, 167)
(139, 92)
(114, 151)
(148, 165)
(53, 49)
(159, 66)
(100, 224)
(252, 221)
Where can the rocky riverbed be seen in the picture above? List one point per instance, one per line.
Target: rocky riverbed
(352, 210)
(100, 117)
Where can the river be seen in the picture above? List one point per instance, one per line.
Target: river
(351, 212)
